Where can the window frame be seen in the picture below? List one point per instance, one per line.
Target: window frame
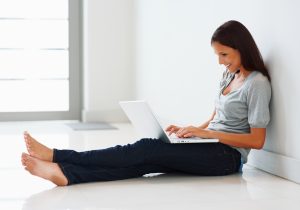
(75, 75)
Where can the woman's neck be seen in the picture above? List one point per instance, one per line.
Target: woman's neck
(242, 73)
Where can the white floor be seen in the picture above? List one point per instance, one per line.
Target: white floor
(253, 189)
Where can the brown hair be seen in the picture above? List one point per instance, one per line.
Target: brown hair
(235, 35)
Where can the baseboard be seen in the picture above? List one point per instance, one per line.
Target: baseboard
(110, 116)
(280, 165)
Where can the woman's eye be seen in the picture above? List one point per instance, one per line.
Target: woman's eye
(223, 54)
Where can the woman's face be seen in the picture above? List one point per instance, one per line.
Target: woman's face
(228, 56)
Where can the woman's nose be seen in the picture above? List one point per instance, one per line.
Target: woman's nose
(221, 61)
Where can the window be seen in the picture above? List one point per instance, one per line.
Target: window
(39, 40)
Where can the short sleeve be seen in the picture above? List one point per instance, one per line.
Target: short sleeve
(258, 99)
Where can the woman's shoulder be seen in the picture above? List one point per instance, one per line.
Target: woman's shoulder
(260, 76)
(258, 81)
(257, 77)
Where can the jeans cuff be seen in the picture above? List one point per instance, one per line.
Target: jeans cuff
(54, 155)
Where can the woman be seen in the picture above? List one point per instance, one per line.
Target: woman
(239, 122)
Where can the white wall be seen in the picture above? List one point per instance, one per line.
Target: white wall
(177, 70)
(159, 50)
(108, 58)
(176, 67)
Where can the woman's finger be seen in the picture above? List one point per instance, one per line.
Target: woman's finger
(174, 127)
(168, 128)
(180, 133)
(171, 131)
(188, 135)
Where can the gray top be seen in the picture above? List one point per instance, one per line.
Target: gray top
(244, 108)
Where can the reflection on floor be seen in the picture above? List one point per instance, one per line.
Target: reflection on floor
(252, 189)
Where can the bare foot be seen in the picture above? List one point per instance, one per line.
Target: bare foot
(46, 170)
(36, 149)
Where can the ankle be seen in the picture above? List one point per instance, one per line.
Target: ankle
(59, 179)
(51, 155)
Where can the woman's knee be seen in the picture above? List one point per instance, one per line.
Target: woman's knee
(148, 141)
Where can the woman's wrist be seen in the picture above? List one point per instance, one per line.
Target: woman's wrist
(205, 133)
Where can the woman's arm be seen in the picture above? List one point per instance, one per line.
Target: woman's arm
(205, 124)
(255, 139)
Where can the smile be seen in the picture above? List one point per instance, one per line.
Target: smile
(227, 66)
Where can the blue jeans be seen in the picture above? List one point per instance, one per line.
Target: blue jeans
(147, 156)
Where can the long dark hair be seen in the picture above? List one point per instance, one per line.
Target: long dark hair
(235, 35)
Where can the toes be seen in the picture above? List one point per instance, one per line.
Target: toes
(24, 159)
(28, 141)
(27, 162)
(28, 146)
(24, 156)
(26, 135)
(23, 162)
(27, 138)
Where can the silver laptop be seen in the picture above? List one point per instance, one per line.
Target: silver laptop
(147, 125)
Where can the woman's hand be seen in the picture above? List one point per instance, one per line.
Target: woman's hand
(172, 129)
(192, 131)
(187, 132)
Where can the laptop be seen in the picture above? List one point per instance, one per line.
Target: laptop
(147, 125)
